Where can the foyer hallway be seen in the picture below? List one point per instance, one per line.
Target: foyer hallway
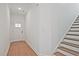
(20, 48)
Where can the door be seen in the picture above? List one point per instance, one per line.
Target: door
(18, 31)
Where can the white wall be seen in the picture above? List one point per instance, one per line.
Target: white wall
(45, 29)
(64, 14)
(32, 28)
(4, 29)
(15, 33)
(55, 19)
(47, 24)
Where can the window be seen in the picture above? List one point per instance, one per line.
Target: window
(17, 25)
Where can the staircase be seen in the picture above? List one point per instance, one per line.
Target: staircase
(70, 44)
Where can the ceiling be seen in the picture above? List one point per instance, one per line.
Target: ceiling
(20, 8)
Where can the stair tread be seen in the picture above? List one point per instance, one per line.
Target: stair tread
(75, 24)
(69, 50)
(59, 54)
(73, 34)
(74, 39)
(70, 47)
(73, 30)
(70, 44)
(74, 27)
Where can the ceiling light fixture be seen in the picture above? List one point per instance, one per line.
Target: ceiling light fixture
(19, 8)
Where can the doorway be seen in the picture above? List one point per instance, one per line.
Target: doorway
(17, 27)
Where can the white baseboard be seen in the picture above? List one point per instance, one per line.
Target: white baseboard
(7, 49)
(28, 42)
(45, 53)
(17, 40)
(37, 52)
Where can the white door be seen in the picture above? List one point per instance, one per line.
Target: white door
(17, 27)
(18, 31)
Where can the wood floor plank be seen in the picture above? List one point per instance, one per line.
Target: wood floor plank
(20, 48)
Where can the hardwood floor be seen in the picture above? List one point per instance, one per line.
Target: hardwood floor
(20, 48)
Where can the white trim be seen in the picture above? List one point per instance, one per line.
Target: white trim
(28, 42)
(7, 49)
(64, 34)
(17, 40)
(45, 53)
(8, 45)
